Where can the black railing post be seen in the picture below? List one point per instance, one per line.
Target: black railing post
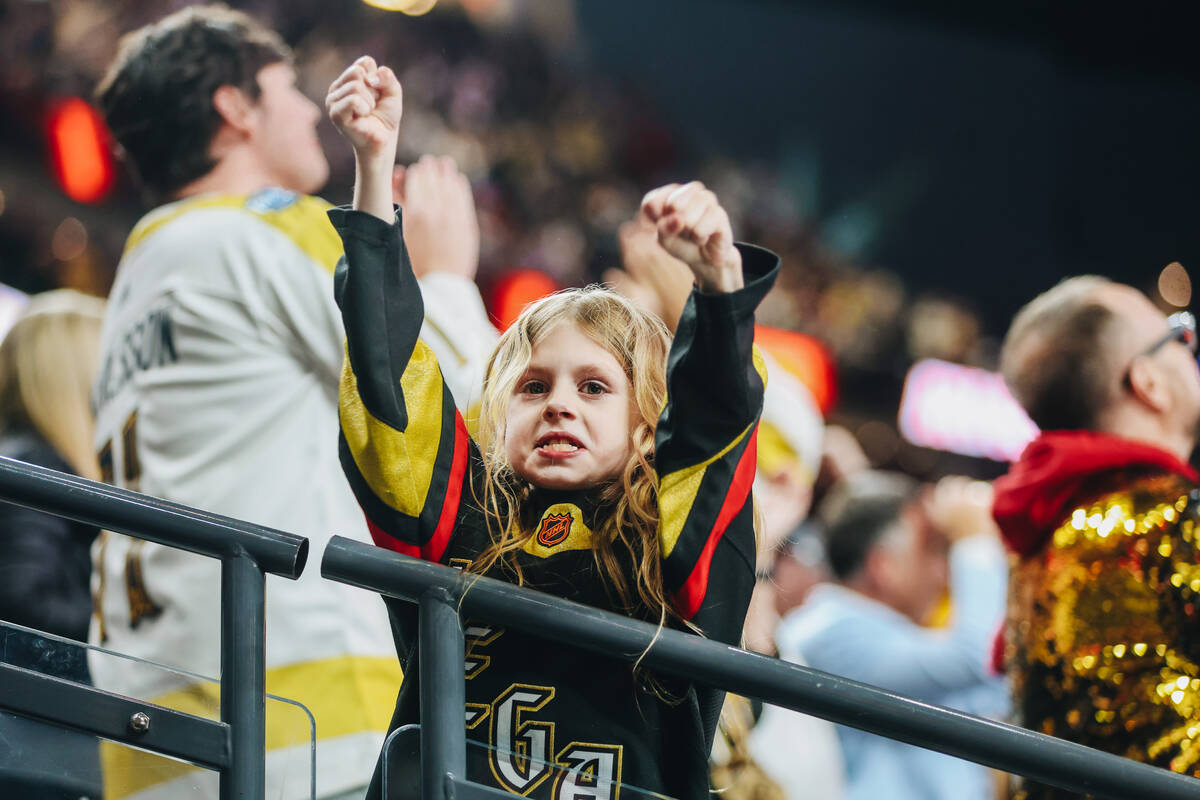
(443, 694)
(243, 663)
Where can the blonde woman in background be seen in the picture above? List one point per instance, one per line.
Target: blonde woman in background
(47, 362)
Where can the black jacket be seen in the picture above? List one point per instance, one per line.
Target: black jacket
(45, 569)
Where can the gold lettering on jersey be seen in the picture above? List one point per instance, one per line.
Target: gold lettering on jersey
(141, 605)
(102, 540)
(588, 771)
(477, 713)
(147, 343)
(521, 748)
(478, 636)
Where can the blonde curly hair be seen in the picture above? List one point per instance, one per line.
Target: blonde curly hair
(640, 342)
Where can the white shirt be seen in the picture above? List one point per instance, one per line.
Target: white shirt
(220, 357)
(801, 753)
(845, 633)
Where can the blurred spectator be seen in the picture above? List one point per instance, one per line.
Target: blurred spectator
(221, 350)
(788, 458)
(1102, 511)
(801, 753)
(736, 773)
(790, 448)
(842, 457)
(11, 303)
(47, 362)
(558, 154)
(760, 754)
(891, 569)
(800, 564)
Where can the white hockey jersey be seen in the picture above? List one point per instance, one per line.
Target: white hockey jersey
(220, 357)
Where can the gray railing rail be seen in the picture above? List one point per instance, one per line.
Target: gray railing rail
(442, 595)
(235, 746)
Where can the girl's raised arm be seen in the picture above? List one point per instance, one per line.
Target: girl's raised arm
(705, 440)
(365, 104)
(403, 445)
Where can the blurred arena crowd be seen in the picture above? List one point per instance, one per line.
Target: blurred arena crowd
(879, 559)
(559, 155)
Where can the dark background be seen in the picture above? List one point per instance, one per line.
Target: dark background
(984, 149)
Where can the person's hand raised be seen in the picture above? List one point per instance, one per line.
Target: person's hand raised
(441, 229)
(663, 279)
(694, 228)
(365, 104)
(960, 507)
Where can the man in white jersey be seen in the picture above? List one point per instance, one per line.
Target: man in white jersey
(221, 352)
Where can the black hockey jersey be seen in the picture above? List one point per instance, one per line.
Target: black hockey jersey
(544, 719)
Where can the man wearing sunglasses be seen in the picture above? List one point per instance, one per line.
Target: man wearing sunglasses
(1102, 513)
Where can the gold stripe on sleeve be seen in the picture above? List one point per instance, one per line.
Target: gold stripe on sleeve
(677, 494)
(397, 466)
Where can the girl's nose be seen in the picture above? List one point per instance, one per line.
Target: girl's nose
(556, 407)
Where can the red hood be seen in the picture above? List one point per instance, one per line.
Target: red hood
(1032, 498)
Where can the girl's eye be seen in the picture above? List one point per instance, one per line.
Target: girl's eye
(534, 387)
(594, 387)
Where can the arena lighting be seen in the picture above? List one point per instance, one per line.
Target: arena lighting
(414, 8)
(69, 240)
(516, 290)
(1174, 285)
(79, 150)
(963, 410)
(806, 358)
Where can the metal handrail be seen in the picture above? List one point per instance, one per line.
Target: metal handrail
(145, 517)
(235, 746)
(444, 593)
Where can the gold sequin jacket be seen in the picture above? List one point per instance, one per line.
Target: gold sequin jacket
(1101, 641)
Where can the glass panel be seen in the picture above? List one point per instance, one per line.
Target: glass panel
(402, 771)
(41, 760)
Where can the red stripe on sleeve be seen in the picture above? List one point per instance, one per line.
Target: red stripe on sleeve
(691, 594)
(387, 542)
(433, 549)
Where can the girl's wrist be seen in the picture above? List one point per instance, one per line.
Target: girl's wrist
(377, 163)
(723, 283)
(373, 186)
(725, 278)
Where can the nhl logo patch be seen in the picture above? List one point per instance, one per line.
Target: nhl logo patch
(555, 528)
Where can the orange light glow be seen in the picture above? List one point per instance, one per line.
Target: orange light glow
(516, 290)
(79, 152)
(1174, 285)
(804, 357)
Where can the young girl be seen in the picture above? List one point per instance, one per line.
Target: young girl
(578, 485)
